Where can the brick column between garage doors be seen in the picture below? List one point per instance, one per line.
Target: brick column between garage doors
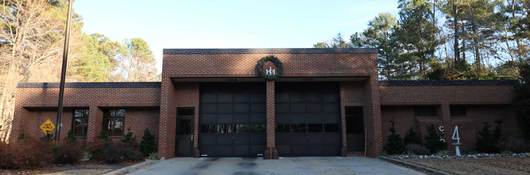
(271, 152)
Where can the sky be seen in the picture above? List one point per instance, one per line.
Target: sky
(228, 23)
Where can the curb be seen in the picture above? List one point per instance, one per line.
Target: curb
(414, 166)
(131, 168)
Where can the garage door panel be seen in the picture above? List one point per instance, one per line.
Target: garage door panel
(208, 118)
(257, 107)
(307, 117)
(257, 118)
(207, 108)
(240, 118)
(224, 108)
(241, 108)
(231, 120)
(224, 118)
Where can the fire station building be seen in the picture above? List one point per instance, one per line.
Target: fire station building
(267, 102)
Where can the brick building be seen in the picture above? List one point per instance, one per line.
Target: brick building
(234, 102)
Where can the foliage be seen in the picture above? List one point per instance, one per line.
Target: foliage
(522, 100)
(433, 140)
(394, 143)
(513, 144)
(448, 39)
(27, 153)
(153, 156)
(260, 69)
(148, 143)
(487, 139)
(416, 149)
(70, 137)
(412, 137)
(129, 138)
(67, 153)
(108, 151)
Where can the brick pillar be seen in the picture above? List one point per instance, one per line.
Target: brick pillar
(374, 147)
(446, 120)
(271, 152)
(344, 139)
(166, 149)
(95, 123)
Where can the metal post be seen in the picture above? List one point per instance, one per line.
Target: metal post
(63, 72)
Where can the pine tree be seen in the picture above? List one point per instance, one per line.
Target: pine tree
(148, 144)
(433, 140)
(394, 143)
(412, 137)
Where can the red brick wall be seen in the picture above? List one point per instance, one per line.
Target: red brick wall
(31, 101)
(243, 65)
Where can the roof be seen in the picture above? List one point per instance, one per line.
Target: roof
(447, 82)
(270, 51)
(92, 85)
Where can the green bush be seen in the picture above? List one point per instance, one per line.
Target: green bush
(107, 151)
(148, 143)
(67, 153)
(433, 140)
(394, 143)
(487, 140)
(412, 137)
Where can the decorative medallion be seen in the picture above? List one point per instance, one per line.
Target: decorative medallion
(270, 68)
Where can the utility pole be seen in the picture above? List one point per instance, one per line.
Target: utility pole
(63, 73)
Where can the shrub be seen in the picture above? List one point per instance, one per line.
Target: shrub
(412, 137)
(416, 149)
(107, 151)
(67, 153)
(148, 144)
(26, 153)
(487, 140)
(515, 145)
(433, 140)
(394, 143)
(70, 137)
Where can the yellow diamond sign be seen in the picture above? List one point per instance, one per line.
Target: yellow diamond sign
(47, 127)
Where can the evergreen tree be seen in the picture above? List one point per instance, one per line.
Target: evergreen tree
(394, 143)
(433, 140)
(417, 33)
(412, 137)
(487, 140)
(129, 138)
(148, 143)
(522, 100)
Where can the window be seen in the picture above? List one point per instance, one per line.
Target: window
(114, 121)
(425, 111)
(80, 122)
(314, 128)
(458, 110)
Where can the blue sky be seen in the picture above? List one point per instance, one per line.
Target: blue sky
(228, 23)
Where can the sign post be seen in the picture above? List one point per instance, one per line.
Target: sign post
(456, 141)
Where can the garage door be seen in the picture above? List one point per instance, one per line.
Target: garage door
(307, 116)
(232, 119)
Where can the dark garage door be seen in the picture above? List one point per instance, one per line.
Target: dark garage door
(307, 116)
(232, 119)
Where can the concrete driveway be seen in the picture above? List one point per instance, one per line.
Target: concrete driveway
(284, 165)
